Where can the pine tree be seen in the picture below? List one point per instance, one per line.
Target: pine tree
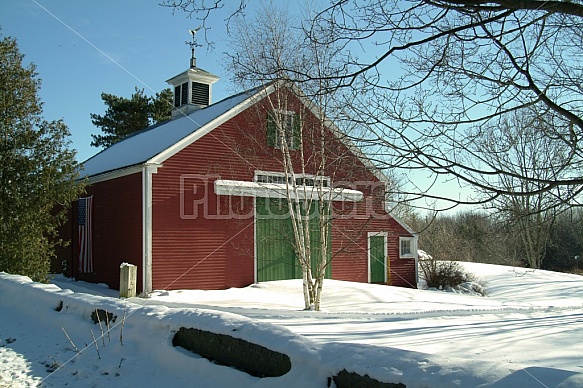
(125, 116)
(38, 172)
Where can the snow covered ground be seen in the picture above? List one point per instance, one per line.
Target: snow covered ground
(528, 332)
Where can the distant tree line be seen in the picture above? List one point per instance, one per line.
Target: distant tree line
(478, 236)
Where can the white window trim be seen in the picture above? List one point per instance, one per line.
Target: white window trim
(316, 178)
(411, 255)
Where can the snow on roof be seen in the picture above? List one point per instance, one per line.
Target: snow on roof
(144, 145)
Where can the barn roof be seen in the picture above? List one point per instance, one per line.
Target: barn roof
(147, 145)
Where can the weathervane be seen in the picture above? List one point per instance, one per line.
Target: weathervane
(193, 45)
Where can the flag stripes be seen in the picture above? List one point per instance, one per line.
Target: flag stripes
(85, 234)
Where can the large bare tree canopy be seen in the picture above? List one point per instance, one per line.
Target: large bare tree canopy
(426, 81)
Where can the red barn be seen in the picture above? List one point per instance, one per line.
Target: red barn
(196, 202)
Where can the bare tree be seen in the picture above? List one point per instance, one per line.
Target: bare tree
(426, 77)
(303, 145)
(519, 144)
(475, 236)
(465, 65)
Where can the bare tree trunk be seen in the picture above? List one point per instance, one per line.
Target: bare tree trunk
(274, 59)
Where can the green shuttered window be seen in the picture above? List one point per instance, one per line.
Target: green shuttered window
(290, 129)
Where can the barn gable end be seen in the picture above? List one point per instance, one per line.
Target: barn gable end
(159, 205)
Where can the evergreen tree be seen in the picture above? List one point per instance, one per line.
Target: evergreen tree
(38, 172)
(125, 116)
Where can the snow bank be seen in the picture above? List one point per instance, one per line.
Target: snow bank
(147, 356)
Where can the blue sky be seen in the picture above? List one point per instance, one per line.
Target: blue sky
(84, 48)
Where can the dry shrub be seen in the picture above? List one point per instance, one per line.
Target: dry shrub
(444, 274)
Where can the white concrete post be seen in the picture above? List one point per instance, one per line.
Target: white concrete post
(127, 280)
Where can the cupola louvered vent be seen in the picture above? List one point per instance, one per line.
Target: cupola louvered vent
(177, 96)
(200, 94)
(184, 94)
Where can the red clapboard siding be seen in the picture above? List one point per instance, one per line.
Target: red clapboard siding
(117, 229)
(196, 242)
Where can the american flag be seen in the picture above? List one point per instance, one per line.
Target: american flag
(85, 234)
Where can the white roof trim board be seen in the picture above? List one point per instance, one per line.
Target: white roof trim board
(279, 190)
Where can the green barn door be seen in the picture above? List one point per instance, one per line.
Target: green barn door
(377, 258)
(276, 258)
(276, 255)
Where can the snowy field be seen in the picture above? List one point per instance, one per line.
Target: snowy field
(527, 332)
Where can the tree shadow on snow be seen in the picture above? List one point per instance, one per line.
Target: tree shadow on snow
(541, 377)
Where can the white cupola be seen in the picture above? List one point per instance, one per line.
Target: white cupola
(193, 87)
